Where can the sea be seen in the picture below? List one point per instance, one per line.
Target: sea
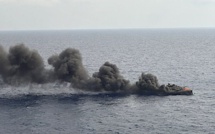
(184, 57)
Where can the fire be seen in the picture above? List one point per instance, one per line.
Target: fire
(186, 89)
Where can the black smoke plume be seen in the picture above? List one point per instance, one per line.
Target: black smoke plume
(22, 65)
(110, 78)
(68, 66)
(4, 63)
(147, 83)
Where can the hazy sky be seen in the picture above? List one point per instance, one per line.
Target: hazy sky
(105, 14)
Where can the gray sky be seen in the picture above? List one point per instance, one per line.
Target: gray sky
(105, 14)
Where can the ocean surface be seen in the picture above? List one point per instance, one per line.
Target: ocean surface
(185, 57)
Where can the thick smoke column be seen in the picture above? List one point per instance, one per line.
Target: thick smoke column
(148, 81)
(68, 66)
(21, 65)
(4, 63)
(110, 78)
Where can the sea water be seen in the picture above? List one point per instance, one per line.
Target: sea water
(185, 57)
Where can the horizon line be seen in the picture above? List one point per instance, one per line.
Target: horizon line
(89, 29)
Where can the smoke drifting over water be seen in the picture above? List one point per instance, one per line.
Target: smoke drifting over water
(22, 65)
(68, 66)
(110, 78)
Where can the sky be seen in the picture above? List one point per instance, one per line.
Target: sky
(105, 14)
